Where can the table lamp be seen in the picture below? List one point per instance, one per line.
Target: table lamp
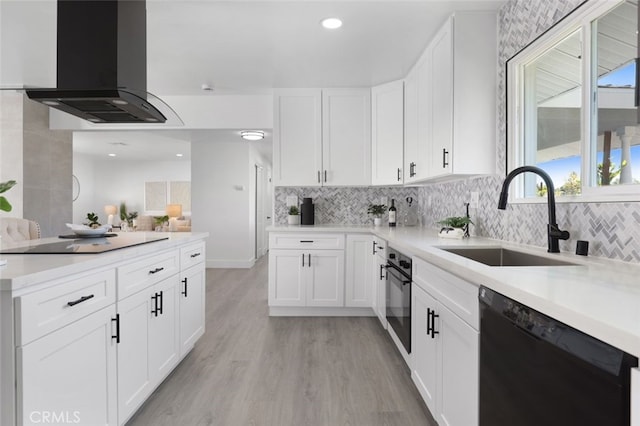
(110, 210)
(174, 211)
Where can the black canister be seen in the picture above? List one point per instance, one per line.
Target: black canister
(307, 212)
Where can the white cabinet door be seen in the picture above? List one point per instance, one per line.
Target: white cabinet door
(297, 137)
(70, 373)
(418, 120)
(164, 348)
(424, 347)
(458, 373)
(346, 137)
(442, 100)
(387, 135)
(192, 307)
(286, 281)
(135, 379)
(359, 285)
(325, 278)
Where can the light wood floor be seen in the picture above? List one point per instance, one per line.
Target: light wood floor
(252, 369)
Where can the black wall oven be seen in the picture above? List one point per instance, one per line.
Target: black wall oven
(399, 296)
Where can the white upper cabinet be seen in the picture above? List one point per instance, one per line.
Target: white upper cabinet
(322, 137)
(463, 101)
(346, 137)
(417, 120)
(297, 137)
(387, 133)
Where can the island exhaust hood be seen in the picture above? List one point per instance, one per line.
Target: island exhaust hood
(101, 63)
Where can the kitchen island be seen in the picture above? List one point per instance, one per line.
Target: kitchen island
(85, 338)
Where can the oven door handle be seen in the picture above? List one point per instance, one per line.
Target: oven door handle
(400, 271)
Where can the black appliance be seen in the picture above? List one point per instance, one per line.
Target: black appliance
(101, 63)
(399, 295)
(307, 212)
(536, 371)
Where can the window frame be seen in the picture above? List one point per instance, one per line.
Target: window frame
(581, 19)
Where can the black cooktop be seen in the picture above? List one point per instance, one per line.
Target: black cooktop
(82, 245)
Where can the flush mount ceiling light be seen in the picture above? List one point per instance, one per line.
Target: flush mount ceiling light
(178, 155)
(331, 23)
(252, 135)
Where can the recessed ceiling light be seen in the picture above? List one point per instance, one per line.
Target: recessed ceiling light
(111, 155)
(331, 23)
(252, 135)
(178, 155)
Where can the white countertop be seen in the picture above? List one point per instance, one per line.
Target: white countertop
(23, 270)
(598, 296)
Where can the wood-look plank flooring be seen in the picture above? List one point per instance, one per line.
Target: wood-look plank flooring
(252, 369)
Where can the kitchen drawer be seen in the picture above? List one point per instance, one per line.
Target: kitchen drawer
(306, 241)
(44, 311)
(460, 296)
(142, 273)
(192, 255)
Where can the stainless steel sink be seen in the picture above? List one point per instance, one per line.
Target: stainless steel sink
(495, 256)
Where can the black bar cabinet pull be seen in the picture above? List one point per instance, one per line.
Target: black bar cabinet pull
(325, 175)
(117, 320)
(154, 311)
(433, 324)
(155, 271)
(306, 241)
(412, 169)
(82, 299)
(428, 321)
(381, 268)
(195, 255)
(445, 163)
(303, 260)
(398, 174)
(309, 260)
(184, 293)
(161, 302)
(318, 176)
(374, 247)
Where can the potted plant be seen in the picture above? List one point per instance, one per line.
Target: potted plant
(161, 221)
(455, 227)
(294, 216)
(377, 211)
(92, 220)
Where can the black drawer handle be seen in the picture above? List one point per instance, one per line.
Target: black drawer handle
(155, 271)
(82, 299)
(184, 293)
(195, 255)
(306, 241)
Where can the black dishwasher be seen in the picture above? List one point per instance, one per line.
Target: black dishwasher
(537, 371)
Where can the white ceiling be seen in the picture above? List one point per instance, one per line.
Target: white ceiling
(252, 46)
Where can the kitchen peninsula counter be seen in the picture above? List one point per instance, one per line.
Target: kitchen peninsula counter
(598, 296)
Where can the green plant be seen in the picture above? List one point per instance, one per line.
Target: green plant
(377, 210)
(125, 216)
(293, 211)
(160, 220)
(92, 220)
(455, 221)
(4, 187)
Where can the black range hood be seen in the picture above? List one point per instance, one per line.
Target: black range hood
(101, 63)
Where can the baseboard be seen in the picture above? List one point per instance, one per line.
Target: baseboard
(235, 264)
(294, 311)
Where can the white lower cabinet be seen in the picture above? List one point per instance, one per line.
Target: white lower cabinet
(148, 348)
(191, 307)
(445, 348)
(69, 376)
(306, 278)
(360, 258)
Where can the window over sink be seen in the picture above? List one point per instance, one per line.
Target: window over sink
(573, 99)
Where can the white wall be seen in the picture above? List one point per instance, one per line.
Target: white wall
(222, 181)
(111, 181)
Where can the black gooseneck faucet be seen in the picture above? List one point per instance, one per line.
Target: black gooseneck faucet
(553, 232)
